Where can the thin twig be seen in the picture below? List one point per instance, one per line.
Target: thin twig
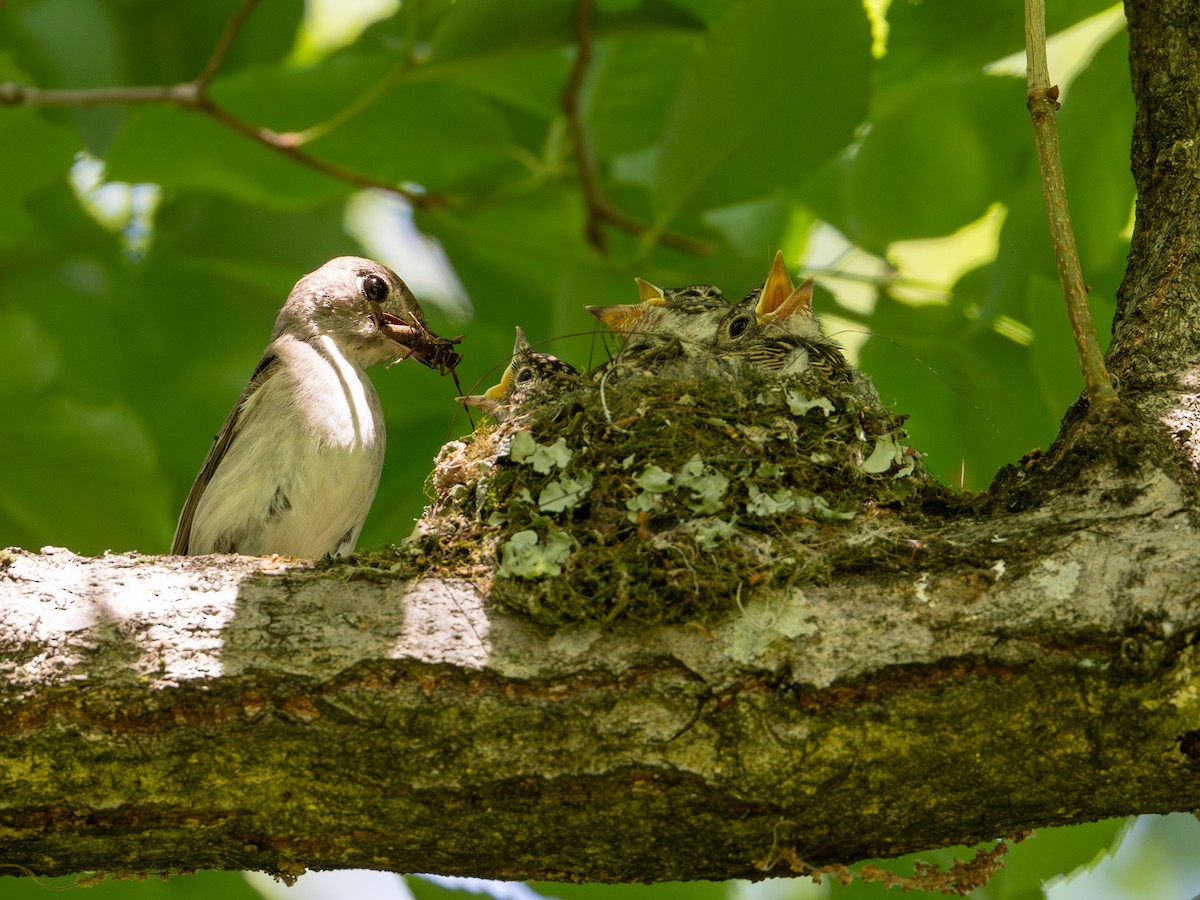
(13, 94)
(403, 66)
(570, 106)
(599, 211)
(289, 147)
(187, 96)
(1043, 103)
(193, 95)
(224, 42)
(351, 109)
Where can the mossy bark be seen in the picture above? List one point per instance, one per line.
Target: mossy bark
(226, 712)
(983, 668)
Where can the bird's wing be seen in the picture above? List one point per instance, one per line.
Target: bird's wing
(773, 354)
(267, 366)
(828, 359)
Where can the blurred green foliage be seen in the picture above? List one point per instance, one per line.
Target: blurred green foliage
(125, 339)
(740, 122)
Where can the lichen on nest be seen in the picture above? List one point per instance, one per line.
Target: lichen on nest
(667, 497)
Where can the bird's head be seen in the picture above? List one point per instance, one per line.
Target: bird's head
(689, 315)
(776, 308)
(368, 311)
(528, 373)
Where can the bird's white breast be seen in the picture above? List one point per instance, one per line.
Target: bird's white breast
(302, 471)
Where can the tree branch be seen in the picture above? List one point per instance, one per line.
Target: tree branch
(1043, 102)
(226, 712)
(194, 95)
(224, 42)
(599, 210)
(14, 94)
(1157, 323)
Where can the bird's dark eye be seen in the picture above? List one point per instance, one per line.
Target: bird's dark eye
(738, 326)
(374, 288)
(524, 375)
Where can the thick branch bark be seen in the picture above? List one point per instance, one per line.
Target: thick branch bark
(211, 713)
(1158, 315)
(1027, 664)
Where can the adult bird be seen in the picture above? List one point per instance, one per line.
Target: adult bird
(529, 377)
(295, 467)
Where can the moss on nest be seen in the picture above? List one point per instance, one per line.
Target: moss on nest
(664, 498)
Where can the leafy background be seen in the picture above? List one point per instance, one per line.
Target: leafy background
(145, 249)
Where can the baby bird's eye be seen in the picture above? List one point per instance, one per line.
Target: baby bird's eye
(738, 326)
(373, 288)
(525, 374)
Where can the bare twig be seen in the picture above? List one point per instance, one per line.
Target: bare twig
(224, 42)
(193, 95)
(1043, 103)
(13, 94)
(351, 109)
(289, 146)
(570, 106)
(599, 211)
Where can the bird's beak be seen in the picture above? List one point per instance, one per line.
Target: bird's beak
(480, 401)
(493, 395)
(623, 317)
(798, 301)
(417, 341)
(776, 290)
(499, 390)
(648, 291)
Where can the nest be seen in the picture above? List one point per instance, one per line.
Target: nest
(667, 497)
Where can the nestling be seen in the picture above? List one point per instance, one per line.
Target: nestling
(773, 328)
(667, 324)
(529, 376)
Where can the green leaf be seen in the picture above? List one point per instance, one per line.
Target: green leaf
(435, 134)
(264, 247)
(511, 256)
(375, 122)
(54, 445)
(183, 150)
(666, 890)
(1053, 355)
(287, 97)
(425, 888)
(1027, 865)
(926, 169)
(499, 27)
(492, 27)
(1094, 127)
(966, 388)
(632, 81)
(29, 359)
(38, 147)
(532, 82)
(1054, 851)
(200, 886)
(743, 125)
(943, 38)
(168, 43)
(79, 44)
